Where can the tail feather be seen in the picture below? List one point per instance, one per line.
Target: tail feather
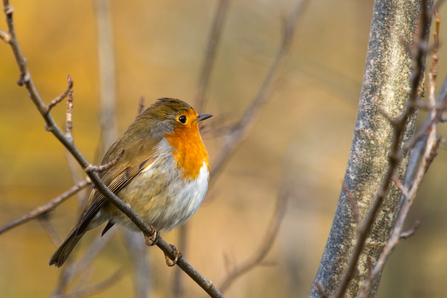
(61, 254)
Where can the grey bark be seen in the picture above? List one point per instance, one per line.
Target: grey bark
(386, 86)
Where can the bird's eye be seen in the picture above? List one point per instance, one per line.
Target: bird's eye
(182, 119)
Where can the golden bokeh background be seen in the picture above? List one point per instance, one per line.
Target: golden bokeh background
(303, 136)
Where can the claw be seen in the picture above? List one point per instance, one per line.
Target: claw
(152, 239)
(178, 256)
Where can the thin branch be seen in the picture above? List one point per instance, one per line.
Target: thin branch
(49, 229)
(72, 269)
(401, 187)
(77, 175)
(107, 166)
(438, 4)
(140, 105)
(64, 94)
(394, 160)
(100, 287)
(45, 208)
(107, 74)
(412, 231)
(210, 54)
(241, 129)
(141, 269)
(84, 279)
(178, 287)
(262, 251)
(69, 118)
(25, 79)
(353, 202)
(390, 119)
(320, 289)
(98, 244)
(5, 36)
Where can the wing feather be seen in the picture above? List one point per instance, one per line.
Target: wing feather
(98, 200)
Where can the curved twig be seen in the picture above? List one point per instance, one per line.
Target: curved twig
(210, 55)
(239, 131)
(263, 249)
(99, 287)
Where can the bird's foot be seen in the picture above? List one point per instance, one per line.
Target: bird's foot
(152, 239)
(178, 255)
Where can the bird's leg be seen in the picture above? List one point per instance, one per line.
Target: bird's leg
(151, 240)
(178, 255)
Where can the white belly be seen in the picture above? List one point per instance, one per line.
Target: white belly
(160, 196)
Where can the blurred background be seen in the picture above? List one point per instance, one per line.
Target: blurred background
(302, 136)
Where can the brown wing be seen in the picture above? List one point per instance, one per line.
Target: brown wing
(115, 186)
(135, 158)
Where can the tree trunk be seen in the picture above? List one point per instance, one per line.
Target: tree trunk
(386, 86)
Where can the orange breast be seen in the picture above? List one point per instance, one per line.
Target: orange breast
(188, 150)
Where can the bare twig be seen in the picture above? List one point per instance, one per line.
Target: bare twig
(141, 105)
(412, 231)
(49, 229)
(401, 187)
(25, 79)
(5, 36)
(178, 287)
(210, 55)
(72, 269)
(141, 268)
(62, 284)
(320, 289)
(107, 166)
(136, 248)
(98, 244)
(77, 175)
(100, 287)
(106, 67)
(352, 201)
(69, 118)
(394, 159)
(64, 94)
(390, 119)
(438, 4)
(241, 129)
(45, 208)
(263, 249)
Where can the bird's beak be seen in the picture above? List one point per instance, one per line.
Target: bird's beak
(203, 117)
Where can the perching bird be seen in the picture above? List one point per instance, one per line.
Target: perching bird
(163, 174)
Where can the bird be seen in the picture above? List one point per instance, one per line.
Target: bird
(161, 171)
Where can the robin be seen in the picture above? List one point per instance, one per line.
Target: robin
(163, 174)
